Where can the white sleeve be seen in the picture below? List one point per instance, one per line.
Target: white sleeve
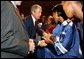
(60, 47)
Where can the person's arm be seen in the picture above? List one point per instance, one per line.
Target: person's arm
(39, 30)
(42, 43)
(27, 26)
(64, 46)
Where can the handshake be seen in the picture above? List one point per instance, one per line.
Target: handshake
(48, 39)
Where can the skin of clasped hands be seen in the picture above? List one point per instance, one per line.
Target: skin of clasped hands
(48, 39)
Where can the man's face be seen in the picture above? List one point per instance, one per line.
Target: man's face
(37, 13)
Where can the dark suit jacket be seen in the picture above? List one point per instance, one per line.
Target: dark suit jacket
(13, 34)
(31, 29)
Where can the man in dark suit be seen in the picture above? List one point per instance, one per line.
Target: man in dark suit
(15, 41)
(30, 22)
(31, 19)
(32, 27)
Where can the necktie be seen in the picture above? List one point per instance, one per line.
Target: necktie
(35, 23)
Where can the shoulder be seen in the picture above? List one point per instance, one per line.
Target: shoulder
(5, 2)
(28, 21)
(5, 5)
(28, 18)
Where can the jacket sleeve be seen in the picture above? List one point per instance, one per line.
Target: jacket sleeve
(65, 42)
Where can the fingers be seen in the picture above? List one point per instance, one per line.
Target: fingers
(42, 43)
(46, 37)
(31, 40)
(44, 34)
(48, 41)
(31, 45)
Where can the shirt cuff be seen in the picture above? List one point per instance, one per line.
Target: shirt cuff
(57, 38)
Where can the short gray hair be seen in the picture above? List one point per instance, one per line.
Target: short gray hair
(34, 7)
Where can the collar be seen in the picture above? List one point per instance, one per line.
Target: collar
(65, 23)
(33, 19)
(71, 23)
(14, 4)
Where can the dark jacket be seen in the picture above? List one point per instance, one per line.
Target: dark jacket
(31, 28)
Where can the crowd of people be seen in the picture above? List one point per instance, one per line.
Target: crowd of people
(59, 35)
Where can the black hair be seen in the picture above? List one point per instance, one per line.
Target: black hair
(59, 9)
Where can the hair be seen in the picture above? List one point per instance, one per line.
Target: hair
(59, 9)
(34, 7)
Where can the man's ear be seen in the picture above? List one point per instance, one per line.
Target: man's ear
(33, 12)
